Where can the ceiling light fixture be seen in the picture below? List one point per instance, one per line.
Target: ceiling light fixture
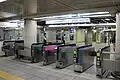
(107, 19)
(105, 15)
(71, 25)
(2, 0)
(72, 16)
(94, 13)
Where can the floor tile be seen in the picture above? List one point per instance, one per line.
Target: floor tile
(42, 75)
(27, 76)
(68, 77)
(52, 78)
(79, 78)
(35, 78)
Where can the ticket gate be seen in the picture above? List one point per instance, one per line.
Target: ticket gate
(9, 47)
(49, 53)
(65, 55)
(37, 52)
(84, 59)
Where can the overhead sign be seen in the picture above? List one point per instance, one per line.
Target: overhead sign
(65, 21)
(11, 24)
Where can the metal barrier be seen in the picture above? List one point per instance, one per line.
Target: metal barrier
(84, 58)
(105, 65)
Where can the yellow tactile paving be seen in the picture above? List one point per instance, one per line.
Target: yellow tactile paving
(8, 76)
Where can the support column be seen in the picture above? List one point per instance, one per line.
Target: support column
(117, 48)
(88, 36)
(30, 26)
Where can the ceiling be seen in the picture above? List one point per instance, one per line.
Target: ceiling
(54, 7)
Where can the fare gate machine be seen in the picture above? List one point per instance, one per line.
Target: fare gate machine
(65, 55)
(9, 46)
(99, 62)
(83, 58)
(37, 52)
(49, 53)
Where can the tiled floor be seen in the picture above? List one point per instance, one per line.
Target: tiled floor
(29, 71)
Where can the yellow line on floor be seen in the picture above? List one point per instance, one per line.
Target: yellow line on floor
(8, 76)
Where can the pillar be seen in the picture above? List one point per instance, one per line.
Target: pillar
(30, 26)
(88, 36)
(117, 48)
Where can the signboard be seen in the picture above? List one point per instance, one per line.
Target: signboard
(65, 21)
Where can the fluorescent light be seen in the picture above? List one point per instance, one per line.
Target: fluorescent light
(2, 0)
(106, 15)
(69, 25)
(107, 19)
(94, 13)
(71, 16)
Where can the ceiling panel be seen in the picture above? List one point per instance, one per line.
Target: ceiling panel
(85, 4)
(58, 6)
(11, 6)
(51, 6)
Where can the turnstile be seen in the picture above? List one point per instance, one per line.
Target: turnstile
(37, 52)
(65, 55)
(84, 59)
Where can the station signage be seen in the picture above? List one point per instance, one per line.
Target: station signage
(71, 21)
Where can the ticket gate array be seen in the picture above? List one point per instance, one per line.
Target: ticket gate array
(37, 53)
(83, 59)
(65, 55)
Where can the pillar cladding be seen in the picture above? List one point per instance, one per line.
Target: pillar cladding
(117, 49)
(30, 26)
(30, 31)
